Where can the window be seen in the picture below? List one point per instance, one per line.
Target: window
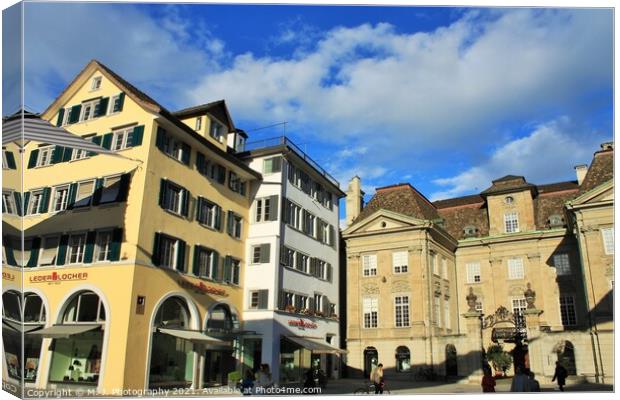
(287, 257)
(103, 248)
(8, 203)
(84, 194)
(49, 251)
(272, 165)
(399, 262)
(293, 215)
(258, 299)
(61, 198)
(301, 262)
(208, 213)
(401, 311)
(45, 156)
(403, 359)
(217, 130)
(434, 263)
(567, 311)
(519, 304)
(260, 253)
(217, 172)
(266, 209)
(469, 231)
(174, 198)
(168, 248)
(75, 250)
(110, 189)
(473, 272)
(515, 268)
(198, 124)
(446, 314)
(318, 302)
(436, 311)
(369, 265)
(511, 222)
(234, 224)
(85, 307)
(66, 116)
(235, 184)
(36, 199)
(309, 220)
(206, 260)
(444, 268)
(608, 240)
(562, 264)
(370, 312)
(232, 271)
(176, 149)
(88, 110)
(116, 104)
(8, 160)
(96, 83)
(479, 307)
(122, 138)
(509, 200)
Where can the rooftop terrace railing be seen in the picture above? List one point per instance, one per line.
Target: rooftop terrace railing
(284, 141)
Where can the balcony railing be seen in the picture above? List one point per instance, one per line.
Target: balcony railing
(284, 141)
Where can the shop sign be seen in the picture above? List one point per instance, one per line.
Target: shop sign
(7, 276)
(55, 277)
(504, 334)
(301, 324)
(200, 287)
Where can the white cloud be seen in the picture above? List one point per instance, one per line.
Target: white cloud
(549, 152)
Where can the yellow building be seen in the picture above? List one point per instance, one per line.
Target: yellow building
(132, 263)
(431, 285)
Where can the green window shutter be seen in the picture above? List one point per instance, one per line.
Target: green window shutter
(199, 216)
(96, 140)
(187, 151)
(57, 154)
(102, 107)
(62, 250)
(329, 273)
(262, 299)
(10, 160)
(181, 256)
(72, 195)
(200, 163)
(45, 200)
(115, 247)
(61, 116)
(97, 192)
(273, 208)
(155, 256)
(228, 269)
(265, 249)
(18, 203)
(26, 200)
(196, 263)
(221, 174)
(161, 138)
(32, 161)
(229, 223)
(74, 116)
(185, 206)
(107, 141)
(136, 137)
(163, 188)
(66, 156)
(123, 190)
(89, 250)
(218, 218)
(215, 273)
(8, 248)
(121, 102)
(34, 252)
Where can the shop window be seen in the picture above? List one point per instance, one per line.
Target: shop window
(173, 313)
(221, 318)
(403, 359)
(49, 251)
(85, 307)
(11, 306)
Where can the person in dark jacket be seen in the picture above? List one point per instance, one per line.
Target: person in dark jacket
(560, 374)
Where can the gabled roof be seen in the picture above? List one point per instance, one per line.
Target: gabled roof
(601, 170)
(459, 201)
(507, 184)
(403, 199)
(216, 108)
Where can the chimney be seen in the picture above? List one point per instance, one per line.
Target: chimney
(607, 146)
(355, 199)
(581, 170)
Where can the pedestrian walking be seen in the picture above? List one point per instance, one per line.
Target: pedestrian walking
(263, 378)
(488, 381)
(520, 382)
(534, 384)
(560, 374)
(247, 384)
(376, 377)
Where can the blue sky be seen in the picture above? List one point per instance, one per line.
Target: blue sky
(444, 98)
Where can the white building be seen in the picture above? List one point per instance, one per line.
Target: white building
(291, 281)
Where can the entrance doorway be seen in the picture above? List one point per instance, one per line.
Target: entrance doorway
(451, 361)
(566, 357)
(371, 360)
(217, 366)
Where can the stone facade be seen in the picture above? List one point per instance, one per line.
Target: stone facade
(541, 253)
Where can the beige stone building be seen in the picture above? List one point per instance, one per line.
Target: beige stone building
(431, 285)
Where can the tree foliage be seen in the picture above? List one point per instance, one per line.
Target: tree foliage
(499, 358)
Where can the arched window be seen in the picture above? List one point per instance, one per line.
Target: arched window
(221, 318)
(84, 307)
(11, 306)
(173, 313)
(451, 361)
(403, 359)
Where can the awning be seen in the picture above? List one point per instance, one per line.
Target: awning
(315, 346)
(25, 127)
(64, 331)
(19, 327)
(193, 336)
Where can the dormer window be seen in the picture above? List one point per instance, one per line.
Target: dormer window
(96, 83)
(217, 130)
(509, 200)
(470, 231)
(555, 221)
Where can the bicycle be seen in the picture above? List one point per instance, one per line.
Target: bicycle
(369, 388)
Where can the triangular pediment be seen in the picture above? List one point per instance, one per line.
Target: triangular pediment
(600, 194)
(383, 220)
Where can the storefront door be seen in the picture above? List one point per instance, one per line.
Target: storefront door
(218, 364)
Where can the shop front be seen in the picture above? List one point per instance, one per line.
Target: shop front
(300, 353)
